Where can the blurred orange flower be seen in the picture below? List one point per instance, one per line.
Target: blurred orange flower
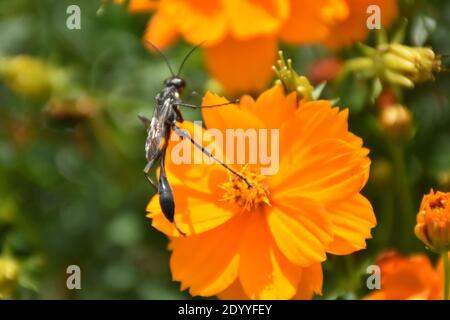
(353, 27)
(267, 242)
(408, 278)
(139, 6)
(243, 35)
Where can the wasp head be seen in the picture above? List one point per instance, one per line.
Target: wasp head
(175, 82)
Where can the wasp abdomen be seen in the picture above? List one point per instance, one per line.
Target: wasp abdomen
(166, 198)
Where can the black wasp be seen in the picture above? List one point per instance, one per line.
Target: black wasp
(164, 120)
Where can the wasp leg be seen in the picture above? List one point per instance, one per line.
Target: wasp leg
(165, 193)
(149, 167)
(179, 115)
(193, 106)
(146, 121)
(184, 135)
(152, 183)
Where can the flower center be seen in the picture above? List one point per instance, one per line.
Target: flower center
(437, 210)
(237, 190)
(438, 203)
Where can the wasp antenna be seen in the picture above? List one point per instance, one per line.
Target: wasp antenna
(162, 55)
(187, 57)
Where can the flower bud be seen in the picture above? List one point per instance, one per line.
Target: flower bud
(291, 81)
(395, 64)
(396, 121)
(433, 221)
(405, 66)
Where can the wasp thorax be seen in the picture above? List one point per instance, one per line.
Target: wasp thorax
(175, 82)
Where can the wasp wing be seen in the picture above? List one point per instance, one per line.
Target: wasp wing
(157, 130)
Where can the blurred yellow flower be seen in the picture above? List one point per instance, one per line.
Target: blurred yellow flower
(32, 77)
(26, 75)
(9, 272)
(267, 242)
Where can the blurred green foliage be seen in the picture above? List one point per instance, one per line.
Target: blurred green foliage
(71, 184)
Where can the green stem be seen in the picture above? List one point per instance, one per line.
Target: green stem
(446, 274)
(403, 190)
(354, 65)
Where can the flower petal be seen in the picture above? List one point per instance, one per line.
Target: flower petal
(229, 117)
(194, 212)
(329, 172)
(273, 107)
(256, 121)
(306, 23)
(301, 230)
(310, 283)
(352, 221)
(316, 121)
(188, 165)
(197, 20)
(264, 272)
(233, 292)
(242, 66)
(266, 17)
(354, 28)
(160, 31)
(208, 263)
(159, 221)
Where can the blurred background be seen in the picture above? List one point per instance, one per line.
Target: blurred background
(72, 189)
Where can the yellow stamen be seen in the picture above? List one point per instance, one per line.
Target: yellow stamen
(250, 198)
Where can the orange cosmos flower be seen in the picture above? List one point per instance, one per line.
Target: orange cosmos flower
(243, 35)
(267, 242)
(408, 278)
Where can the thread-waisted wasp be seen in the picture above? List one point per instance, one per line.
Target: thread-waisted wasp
(164, 119)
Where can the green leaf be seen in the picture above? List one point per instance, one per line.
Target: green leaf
(318, 90)
(377, 87)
